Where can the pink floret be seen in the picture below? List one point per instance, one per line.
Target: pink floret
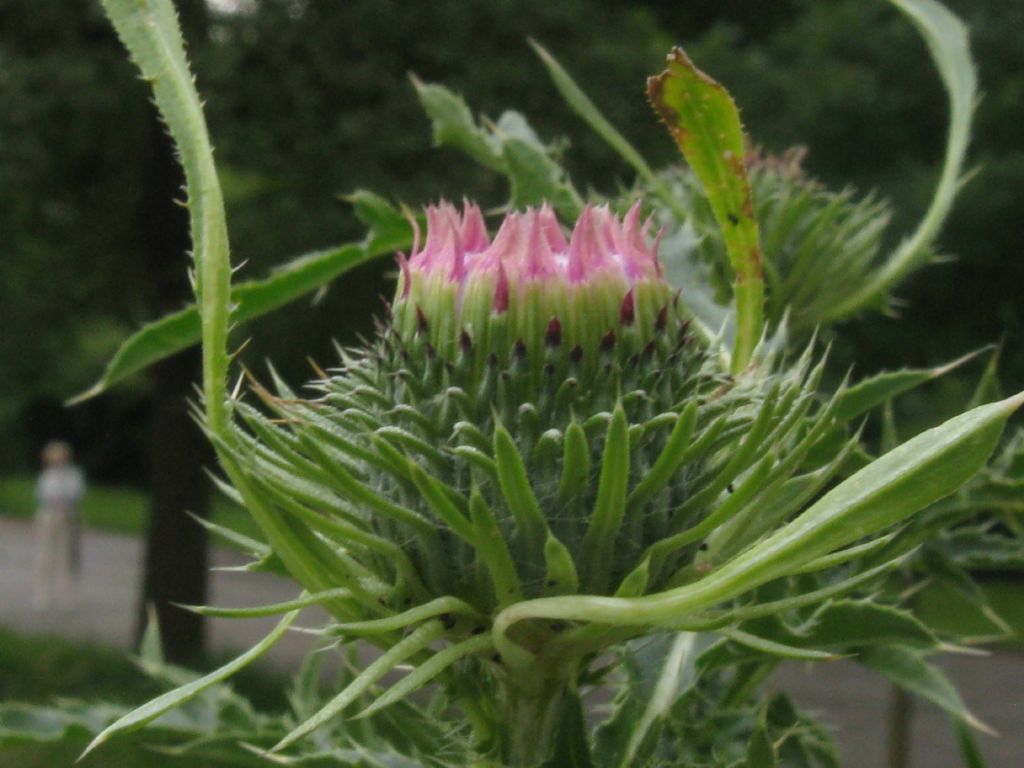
(531, 246)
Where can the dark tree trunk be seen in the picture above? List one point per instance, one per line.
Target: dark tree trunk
(175, 569)
(176, 545)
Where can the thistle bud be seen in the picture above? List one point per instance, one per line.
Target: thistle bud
(535, 421)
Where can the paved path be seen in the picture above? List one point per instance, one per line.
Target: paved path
(855, 700)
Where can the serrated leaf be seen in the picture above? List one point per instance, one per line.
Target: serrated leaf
(837, 627)
(510, 147)
(535, 178)
(859, 398)
(388, 228)
(659, 670)
(844, 623)
(909, 670)
(703, 120)
(454, 125)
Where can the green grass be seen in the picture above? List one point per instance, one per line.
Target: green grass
(112, 508)
(40, 670)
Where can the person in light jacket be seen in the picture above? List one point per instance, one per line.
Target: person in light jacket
(59, 492)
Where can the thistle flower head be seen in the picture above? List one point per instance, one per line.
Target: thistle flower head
(532, 282)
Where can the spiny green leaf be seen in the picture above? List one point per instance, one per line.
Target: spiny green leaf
(703, 120)
(510, 147)
(274, 609)
(942, 567)
(536, 179)
(408, 647)
(658, 670)
(149, 30)
(844, 623)
(427, 671)
(389, 228)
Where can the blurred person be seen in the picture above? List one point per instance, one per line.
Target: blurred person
(59, 492)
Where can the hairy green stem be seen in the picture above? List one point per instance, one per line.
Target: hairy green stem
(530, 721)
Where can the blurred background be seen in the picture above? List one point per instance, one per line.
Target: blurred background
(308, 100)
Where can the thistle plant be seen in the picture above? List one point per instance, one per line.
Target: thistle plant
(545, 461)
(535, 421)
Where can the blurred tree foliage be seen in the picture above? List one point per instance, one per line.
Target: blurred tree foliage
(309, 99)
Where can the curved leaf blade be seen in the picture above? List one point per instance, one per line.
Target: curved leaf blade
(946, 37)
(180, 330)
(168, 701)
(150, 31)
(704, 122)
